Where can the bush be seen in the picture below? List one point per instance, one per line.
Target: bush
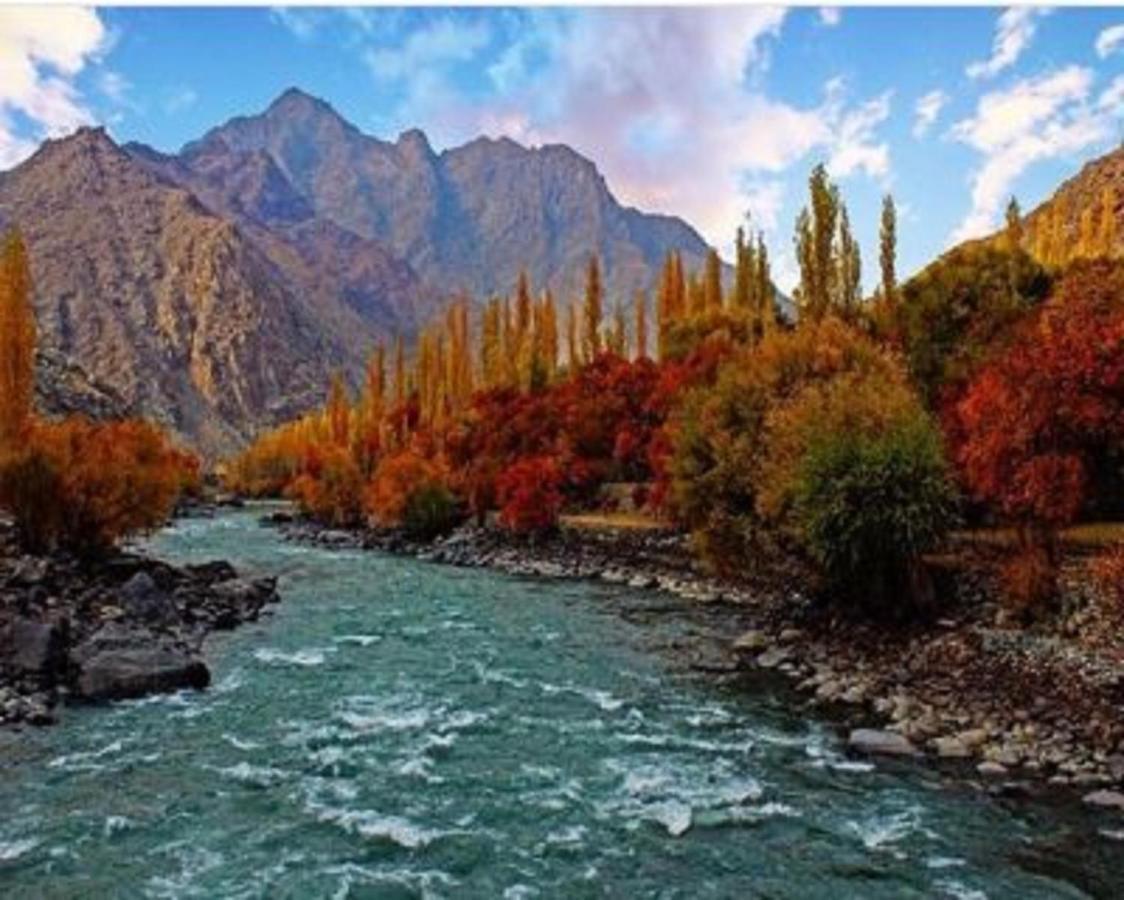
(331, 488)
(396, 480)
(1030, 582)
(530, 495)
(720, 434)
(869, 503)
(431, 511)
(84, 486)
(1106, 571)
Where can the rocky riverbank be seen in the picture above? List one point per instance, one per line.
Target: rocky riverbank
(1015, 709)
(124, 626)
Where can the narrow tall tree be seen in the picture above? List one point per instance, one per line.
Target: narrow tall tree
(888, 249)
(712, 281)
(17, 341)
(640, 312)
(592, 310)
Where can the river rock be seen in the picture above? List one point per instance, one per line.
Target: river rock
(888, 743)
(992, 769)
(145, 601)
(751, 641)
(951, 748)
(1105, 799)
(31, 648)
(117, 663)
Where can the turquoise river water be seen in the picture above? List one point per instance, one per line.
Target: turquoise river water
(402, 729)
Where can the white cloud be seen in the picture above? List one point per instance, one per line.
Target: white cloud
(440, 43)
(1013, 34)
(1040, 118)
(302, 23)
(668, 104)
(830, 16)
(927, 110)
(179, 99)
(854, 147)
(42, 50)
(1109, 40)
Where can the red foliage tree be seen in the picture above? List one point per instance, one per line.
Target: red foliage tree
(530, 496)
(1038, 419)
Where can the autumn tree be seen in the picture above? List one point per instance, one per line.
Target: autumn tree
(712, 281)
(592, 310)
(815, 245)
(1106, 230)
(640, 326)
(888, 249)
(17, 340)
(1013, 229)
(847, 269)
(744, 272)
(1039, 421)
(546, 335)
(618, 333)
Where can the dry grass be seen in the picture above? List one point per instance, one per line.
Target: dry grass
(612, 521)
(1089, 536)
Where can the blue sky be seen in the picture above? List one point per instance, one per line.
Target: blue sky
(706, 113)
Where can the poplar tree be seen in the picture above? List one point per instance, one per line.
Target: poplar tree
(847, 268)
(815, 242)
(640, 312)
(1106, 230)
(400, 388)
(573, 348)
(763, 292)
(337, 412)
(17, 341)
(592, 311)
(618, 334)
(521, 339)
(744, 272)
(712, 281)
(1087, 234)
(546, 334)
(1013, 231)
(888, 249)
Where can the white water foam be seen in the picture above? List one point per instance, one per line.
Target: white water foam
(10, 850)
(312, 656)
(360, 640)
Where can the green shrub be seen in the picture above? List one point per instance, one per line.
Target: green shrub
(431, 511)
(868, 504)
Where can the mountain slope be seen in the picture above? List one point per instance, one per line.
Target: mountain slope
(467, 219)
(154, 295)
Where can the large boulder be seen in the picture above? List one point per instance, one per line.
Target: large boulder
(145, 601)
(239, 600)
(29, 648)
(117, 663)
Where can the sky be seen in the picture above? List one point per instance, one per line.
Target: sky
(713, 114)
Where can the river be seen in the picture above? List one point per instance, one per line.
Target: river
(403, 729)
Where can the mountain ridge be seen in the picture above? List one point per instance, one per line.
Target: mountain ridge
(215, 289)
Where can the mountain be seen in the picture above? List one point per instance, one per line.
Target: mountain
(171, 305)
(1057, 222)
(216, 289)
(467, 219)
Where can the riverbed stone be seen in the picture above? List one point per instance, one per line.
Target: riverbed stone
(992, 769)
(1105, 799)
(32, 649)
(145, 601)
(751, 641)
(951, 748)
(874, 741)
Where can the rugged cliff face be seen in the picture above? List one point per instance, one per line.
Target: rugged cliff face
(467, 219)
(165, 302)
(216, 290)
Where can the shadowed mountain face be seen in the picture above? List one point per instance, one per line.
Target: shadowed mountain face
(217, 289)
